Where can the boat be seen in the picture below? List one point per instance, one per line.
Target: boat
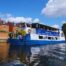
(39, 34)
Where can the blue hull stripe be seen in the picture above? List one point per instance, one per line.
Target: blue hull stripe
(43, 42)
(33, 42)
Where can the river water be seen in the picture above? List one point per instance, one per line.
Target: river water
(49, 55)
(43, 55)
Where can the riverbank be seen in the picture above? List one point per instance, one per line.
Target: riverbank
(4, 49)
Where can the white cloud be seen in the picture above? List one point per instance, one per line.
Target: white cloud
(28, 19)
(55, 8)
(22, 19)
(55, 26)
(19, 19)
(63, 22)
(2, 15)
(36, 20)
(9, 17)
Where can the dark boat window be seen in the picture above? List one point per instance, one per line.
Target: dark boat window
(40, 37)
(28, 25)
(56, 38)
(23, 25)
(35, 25)
(49, 38)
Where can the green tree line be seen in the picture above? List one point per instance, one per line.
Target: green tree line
(64, 29)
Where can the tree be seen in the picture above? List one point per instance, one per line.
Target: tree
(64, 29)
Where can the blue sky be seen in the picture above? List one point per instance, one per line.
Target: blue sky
(31, 8)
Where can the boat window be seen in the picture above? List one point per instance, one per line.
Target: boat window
(23, 25)
(49, 38)
(35, 25)
(40, 37)
(56, 38)
(28, 25)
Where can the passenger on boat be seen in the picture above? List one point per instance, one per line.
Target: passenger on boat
(16, 34)
(23, 32)
(19, 36)
(11, 35)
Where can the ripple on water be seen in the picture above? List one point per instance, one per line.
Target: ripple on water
(51, 55)
(45, 55)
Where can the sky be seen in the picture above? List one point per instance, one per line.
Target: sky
(49, 12)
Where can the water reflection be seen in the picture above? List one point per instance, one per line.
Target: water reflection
(45, 55)
(49, 55)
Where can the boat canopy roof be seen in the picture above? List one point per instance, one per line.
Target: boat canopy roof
(38, 25)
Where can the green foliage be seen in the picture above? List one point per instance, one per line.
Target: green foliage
(64, 29)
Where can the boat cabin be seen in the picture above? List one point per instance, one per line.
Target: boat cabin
(41, 32)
